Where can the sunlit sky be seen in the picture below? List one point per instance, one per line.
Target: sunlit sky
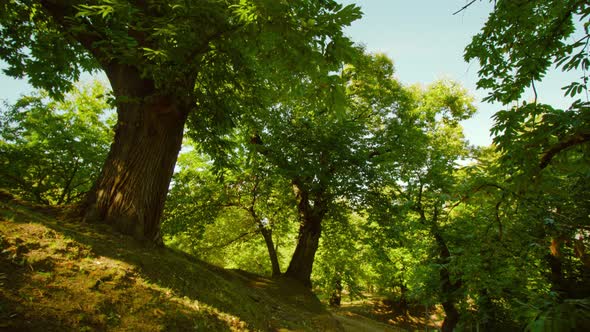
(425, 41)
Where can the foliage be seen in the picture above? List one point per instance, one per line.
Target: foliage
(521, 40)
(342, 262)
(219, 217)
(519, 43)
(323, 141)
(52, 151)
(569, 315)
(542, 166)
(193, 199)
(216, 57)
(413, 200)
(292, 123)
(210, 65)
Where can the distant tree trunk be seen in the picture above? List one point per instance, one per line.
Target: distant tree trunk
(583, 288)
(266, 232)
(555, 265)
(403, 302)
(310, 229)
(492, 317)
(451, 316)
(272, 253)
(132, 187)
(448, 287)
(336, 296)
(66, 191)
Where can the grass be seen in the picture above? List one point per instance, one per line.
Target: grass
(58, 274)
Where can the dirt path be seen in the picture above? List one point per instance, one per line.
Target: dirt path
(357, 323)
(374, 313)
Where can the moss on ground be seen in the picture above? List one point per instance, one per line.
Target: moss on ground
(58, 274)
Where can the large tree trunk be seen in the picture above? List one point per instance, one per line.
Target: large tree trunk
(131, 190)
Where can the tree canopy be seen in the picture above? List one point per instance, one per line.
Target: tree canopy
(208, 62)
(52, 151)
(305, 156)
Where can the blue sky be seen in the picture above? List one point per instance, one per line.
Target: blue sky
(425, 41)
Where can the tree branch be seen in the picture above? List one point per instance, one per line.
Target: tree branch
(464, 7)
(223, 245)
(62, 14)
(574, 140)
(498, 220)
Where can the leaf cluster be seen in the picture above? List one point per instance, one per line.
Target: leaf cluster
(51, 151)
(521, 40)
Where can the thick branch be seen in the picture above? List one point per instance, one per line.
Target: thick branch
(63, 14)
(563, 145)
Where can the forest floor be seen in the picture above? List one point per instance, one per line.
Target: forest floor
(377, 314)
(59, 274)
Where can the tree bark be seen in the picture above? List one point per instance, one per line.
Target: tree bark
(301, 264)
(266, 232)
(336, 295)
(554, 259)
(132, 187)
(451, 316)
(451, 312)
(272, 253)
(448, 287)
(310, 230)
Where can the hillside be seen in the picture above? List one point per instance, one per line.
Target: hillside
(58, 274)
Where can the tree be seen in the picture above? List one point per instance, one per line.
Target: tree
(51, 151)
(322, 143)
(205, 61)
(245, 195)
(520, 41)
(341, 262)
(549, 205)
(416, 189)
(542, 148)
(521, 244)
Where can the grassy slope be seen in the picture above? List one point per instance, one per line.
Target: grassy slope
(57, 274)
